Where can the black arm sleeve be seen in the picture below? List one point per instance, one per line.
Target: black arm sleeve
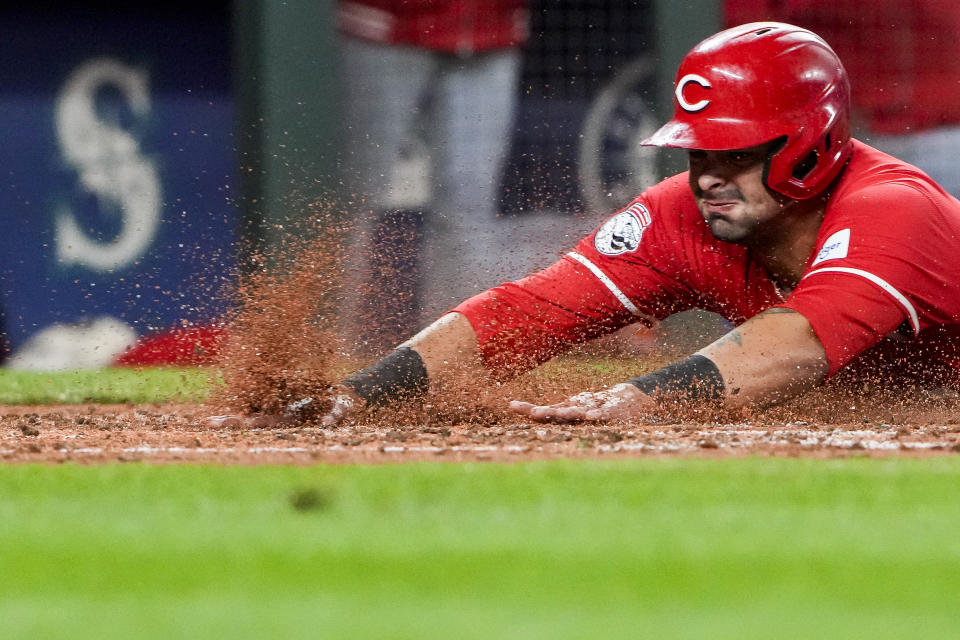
(399, 375)
(695, 378)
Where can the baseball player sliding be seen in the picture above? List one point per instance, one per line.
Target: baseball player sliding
(826, 254)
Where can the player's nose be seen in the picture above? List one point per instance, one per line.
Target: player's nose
(711, 175)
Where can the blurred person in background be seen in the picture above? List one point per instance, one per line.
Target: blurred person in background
(903, 57)
(444, 73)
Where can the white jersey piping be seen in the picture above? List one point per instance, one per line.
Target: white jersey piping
(883, 284)
(607, 282)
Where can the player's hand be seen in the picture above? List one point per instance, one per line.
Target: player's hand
(618, 403)
(344, 404)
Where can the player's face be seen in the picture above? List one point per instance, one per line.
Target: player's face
(731, 194)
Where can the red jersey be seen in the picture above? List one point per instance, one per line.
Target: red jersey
(885, 269)
(451, 26)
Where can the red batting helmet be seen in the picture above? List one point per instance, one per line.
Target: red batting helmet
(761, 82)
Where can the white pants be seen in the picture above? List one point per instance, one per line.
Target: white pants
(463, 111)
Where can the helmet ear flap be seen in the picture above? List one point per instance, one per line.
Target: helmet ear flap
(803, 167)
(806, 166)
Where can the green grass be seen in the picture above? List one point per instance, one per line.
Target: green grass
(668, 548)
(110, 386)
(118, 385)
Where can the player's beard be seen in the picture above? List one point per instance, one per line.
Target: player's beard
(736, 229)
(754, 225)
(740, 232)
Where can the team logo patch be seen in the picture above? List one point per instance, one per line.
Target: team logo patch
(622, 232)
(836, 246)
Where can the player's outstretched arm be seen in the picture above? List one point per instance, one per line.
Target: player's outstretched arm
(447, 346)
(771, 357)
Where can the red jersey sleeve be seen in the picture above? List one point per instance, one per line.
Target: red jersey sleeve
(887, 258)
(619, 274)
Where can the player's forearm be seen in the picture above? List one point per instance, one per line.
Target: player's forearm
(447, 346)
(771, 357)
(444, 350)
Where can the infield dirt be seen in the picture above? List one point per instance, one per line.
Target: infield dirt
(283, 346)
(913, 426)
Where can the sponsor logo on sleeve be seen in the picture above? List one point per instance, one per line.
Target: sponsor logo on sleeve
(835, 247)
(622, 232)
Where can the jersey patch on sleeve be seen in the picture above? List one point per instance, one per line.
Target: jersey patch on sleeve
(835, 247)
(622, 232)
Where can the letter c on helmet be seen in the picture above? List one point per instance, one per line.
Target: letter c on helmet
(682, 84)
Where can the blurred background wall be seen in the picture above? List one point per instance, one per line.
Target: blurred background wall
(118, 190)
